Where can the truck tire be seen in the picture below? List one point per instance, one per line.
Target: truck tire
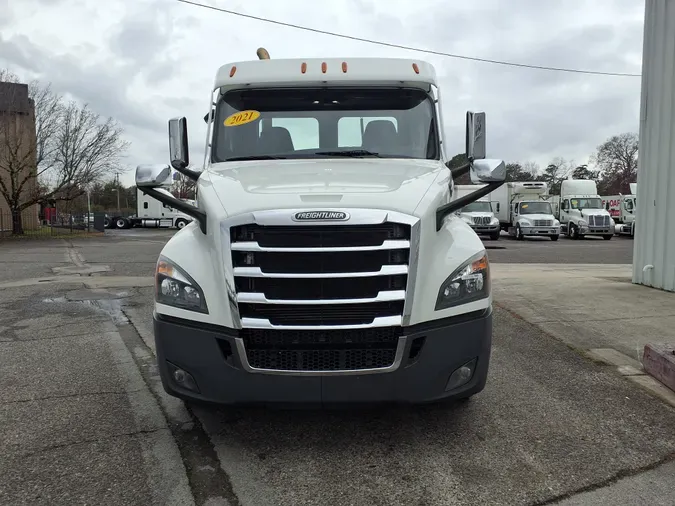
(607, 237)
(121, 223)
(572, 231)
(107, 223)
(180, 223)
(495, 236)
(519, 233)
(554, 237)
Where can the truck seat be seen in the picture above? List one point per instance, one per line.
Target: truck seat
(380, 135)
(275, 140)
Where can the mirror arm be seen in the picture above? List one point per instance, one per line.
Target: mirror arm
(184, 207)
(191, 174)
(455, 205)
(460, 171)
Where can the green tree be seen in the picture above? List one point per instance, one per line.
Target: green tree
(617, 161)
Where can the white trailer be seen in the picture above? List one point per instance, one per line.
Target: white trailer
(479, 214)
(581, 212)
(150, 212)
(523, 209)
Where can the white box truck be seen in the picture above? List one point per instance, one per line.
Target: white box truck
(524, 209)
(325, 263)
(478, 214)
(580, 210)
(150, 212)
(622, 210)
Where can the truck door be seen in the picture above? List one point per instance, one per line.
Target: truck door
(564, 211)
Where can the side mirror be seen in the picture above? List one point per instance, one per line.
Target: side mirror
(475, 135)
(178, 143)
(606, 206)
(152, 176)
(497, 207)
(488, 171)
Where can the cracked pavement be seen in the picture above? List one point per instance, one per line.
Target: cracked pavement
(84, 420)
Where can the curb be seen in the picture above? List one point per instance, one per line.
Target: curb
(659, 362)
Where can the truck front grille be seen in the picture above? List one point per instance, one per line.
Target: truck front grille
(598, 221)
(481, 220)
(543, 223)
(321, 350)
(316, 292)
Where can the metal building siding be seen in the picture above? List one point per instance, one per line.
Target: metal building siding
(655, 227)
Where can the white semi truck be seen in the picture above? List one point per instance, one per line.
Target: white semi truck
(580, 211)
(479, 214)
(622, 210)
(523, 209)
(325, 263)
(150, 212)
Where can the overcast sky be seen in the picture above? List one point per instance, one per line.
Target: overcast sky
(144, 61)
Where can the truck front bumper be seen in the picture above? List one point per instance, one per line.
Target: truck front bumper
(208, 357)
(541, 231)
(486, 229)
(596, 231)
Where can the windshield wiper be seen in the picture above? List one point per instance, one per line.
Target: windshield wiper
(350, 153)
(254, 157)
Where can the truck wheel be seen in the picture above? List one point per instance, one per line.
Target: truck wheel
(180, 223)
(495, 236)
(107, 223)
(121, 223)
(554, 237)
(572, 232)
(607, 237)
(519, 233)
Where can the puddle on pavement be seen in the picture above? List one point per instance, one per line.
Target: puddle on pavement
(109, 303)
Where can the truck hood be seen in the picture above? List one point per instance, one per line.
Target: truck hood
(594, 212)
(476, 214)
(249, 186)
(533, 217)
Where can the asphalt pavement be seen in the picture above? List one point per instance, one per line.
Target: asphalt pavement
(83, 418)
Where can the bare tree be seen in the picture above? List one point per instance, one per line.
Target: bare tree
(617, 161)
(183, 187)
(555, 172)
(64, 149)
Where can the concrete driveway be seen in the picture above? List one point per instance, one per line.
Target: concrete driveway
(83, 418)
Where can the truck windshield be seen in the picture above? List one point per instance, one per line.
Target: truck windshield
(535, 208)
(325, 122)
(477, 207)
(591, 203)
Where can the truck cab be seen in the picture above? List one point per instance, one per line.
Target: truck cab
(479, 215)
(622, 210)
(524, 209)
(325, 263)
(581, 211)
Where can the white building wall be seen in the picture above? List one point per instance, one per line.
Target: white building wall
(654, 249)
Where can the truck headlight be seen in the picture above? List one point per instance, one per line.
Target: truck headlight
(525, 223)
(470, 282)
(556, 223)
(174, 287)
(583, 223)
(494, 221)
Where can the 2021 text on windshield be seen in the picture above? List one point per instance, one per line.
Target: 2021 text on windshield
(325, 122)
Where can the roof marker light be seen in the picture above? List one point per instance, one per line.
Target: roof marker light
(344, 67)
(232, 71)
(303, 67)
(416, 68)
(324, 67)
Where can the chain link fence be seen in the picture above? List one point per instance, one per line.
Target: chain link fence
(31, 225)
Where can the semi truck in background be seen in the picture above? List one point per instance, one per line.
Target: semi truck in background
(325, 268)
(150, 212)
(622, 210)
(523, 209)
(479, 214)
(580, 211)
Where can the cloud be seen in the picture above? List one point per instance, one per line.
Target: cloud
(146, 61)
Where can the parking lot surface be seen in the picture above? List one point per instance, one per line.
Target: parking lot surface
(83, 418)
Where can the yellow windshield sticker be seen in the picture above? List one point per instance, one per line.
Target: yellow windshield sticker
(575, 202)
(241, 118)
(524, 206)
